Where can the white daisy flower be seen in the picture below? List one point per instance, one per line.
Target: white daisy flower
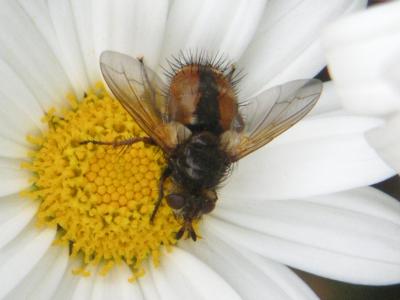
(364, 61)
(300, 201)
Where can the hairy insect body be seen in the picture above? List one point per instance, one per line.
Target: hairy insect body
(203, 99)
(199, 163)
(197, 121)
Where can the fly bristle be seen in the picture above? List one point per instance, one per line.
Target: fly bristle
(236, 79)
(203, 59)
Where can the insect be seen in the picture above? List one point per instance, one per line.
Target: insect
(197, 120)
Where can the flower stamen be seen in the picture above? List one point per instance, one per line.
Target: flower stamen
(100, 197)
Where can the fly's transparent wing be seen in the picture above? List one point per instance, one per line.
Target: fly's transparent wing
(269, 114)
(142, 93)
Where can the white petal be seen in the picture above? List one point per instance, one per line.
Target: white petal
(83, 15)
(15, 214)
(42, 281)
(12, 178)
(249, 274)
(101, 24)
(320, 155)
(11, 149)
(386, 142)
(350, 44)
(200, 275)
(351, 236)
(132, 27)
(287, 45)
(21, 255)
(167, 290)
(66, 42)
(15, 122)
(17, 100)
(115, 285)
(10, 128)
(30, 57)
(224, 27)
(281, 275)
(84, 287)
(182, 275)
(39, 14)
(63, 20)
(68, 283)
(148, 287)
(393, 70)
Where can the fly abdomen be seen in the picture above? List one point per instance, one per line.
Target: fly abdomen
(200, 163)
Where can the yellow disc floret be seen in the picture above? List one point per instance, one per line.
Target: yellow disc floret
(100, 197)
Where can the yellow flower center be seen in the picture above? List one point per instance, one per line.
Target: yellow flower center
(100, 197)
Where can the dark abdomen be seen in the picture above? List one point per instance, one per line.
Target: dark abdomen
(199, 163)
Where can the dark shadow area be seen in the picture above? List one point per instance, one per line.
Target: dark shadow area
(334, 290)
(323, 75)
(390, 186)
(372, 2)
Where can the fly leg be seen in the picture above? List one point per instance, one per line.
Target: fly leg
(126, 142)
(166, 173)
(189, 228)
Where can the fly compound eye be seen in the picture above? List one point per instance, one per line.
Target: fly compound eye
(208, 207)
(176, 201)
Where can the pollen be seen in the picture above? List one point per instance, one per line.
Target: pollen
(100, 197)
